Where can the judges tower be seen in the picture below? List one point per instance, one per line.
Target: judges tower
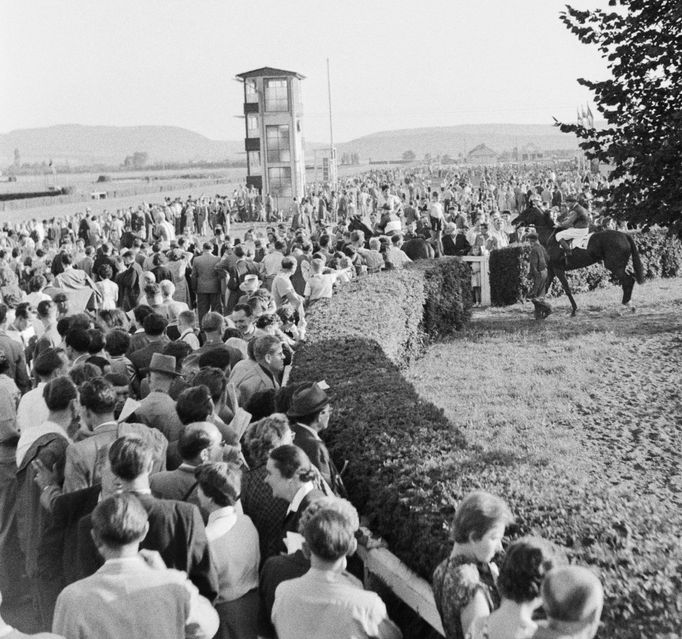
(273, 109)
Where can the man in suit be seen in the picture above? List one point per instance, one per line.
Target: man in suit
(206, 281)
(129, 282)
(133, 594)
(310, 410)
(154, 326)
(261, 373)
(176, 529)
(199, 443)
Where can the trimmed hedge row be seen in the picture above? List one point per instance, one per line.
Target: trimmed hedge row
(408, 465)
(357, 345)
(660, 253)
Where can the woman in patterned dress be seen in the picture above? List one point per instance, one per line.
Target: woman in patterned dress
(464, 584)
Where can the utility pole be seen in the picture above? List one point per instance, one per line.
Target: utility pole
(332, 154)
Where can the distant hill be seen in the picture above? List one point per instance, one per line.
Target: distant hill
(83, 145)
(453, 140)
(88, 145)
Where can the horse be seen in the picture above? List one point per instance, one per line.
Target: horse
(416, 248)
(613, 248)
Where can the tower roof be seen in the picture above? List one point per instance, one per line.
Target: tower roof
(267, 71)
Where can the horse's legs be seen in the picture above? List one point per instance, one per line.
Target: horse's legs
(567, 289)
(627, 282)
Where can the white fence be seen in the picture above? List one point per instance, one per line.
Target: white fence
(485, 275)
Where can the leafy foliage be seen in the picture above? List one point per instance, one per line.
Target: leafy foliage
(642, 105)
(409, 465)
(661, 256)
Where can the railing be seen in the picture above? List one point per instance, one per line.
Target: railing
(405, 584)
(485, 275)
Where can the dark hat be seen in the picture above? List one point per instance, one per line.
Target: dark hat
(163, 364)
(532, 235)
(308, 400)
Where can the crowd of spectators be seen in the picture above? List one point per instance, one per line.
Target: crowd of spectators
(161, 477)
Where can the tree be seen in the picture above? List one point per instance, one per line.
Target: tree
(137, 160)
(409, 156)
(642, 105)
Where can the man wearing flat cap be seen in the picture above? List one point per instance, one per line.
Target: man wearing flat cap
(309, 413)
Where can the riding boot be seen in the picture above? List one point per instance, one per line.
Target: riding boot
(567, 251)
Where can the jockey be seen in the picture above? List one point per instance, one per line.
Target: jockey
(576, 226)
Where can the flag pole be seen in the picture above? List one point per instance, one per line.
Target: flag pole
(332, 159)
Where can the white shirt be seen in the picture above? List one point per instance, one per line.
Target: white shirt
(25, 441)
(235, 552)
(31, 412)
(329, 606)
(298, 497)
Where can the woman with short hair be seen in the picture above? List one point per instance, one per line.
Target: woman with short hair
(464, 583)
(233, 541)
(525, 564)
(266, 511)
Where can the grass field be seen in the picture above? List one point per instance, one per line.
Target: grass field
(586, 411)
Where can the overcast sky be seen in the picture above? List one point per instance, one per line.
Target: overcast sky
(394, 64)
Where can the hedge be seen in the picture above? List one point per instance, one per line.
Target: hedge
(660, 253)
(408, 465)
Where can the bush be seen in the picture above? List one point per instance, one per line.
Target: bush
(660, 253)
(358, 344)
(408, 465)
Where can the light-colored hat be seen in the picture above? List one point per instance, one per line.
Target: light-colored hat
(164, 364)
(250, 284)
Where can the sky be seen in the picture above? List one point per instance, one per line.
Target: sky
(395, 64)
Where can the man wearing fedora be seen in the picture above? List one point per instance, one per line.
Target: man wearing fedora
(157, 410)
(309, 413)
(249, 286)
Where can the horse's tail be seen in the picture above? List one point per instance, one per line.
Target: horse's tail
(636, 262)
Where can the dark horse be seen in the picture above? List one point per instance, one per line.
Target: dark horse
(613, 248)
(416, 248)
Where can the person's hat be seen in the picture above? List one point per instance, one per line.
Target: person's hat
(307, 400)
(532, 235)
(164, 364)
(250, 284)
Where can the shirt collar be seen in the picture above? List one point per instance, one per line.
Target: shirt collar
(298, 497)
(310, 430)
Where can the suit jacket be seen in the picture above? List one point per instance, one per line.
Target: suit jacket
(205, 278)
(318, 453)
(248, 378)
(176, 531)
(128, 598)
(180, 484)
(32, 518)
(294, 517)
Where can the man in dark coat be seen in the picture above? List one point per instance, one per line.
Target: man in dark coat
(206, 281)
(310, 410)
(176, 529)
(129, 282)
